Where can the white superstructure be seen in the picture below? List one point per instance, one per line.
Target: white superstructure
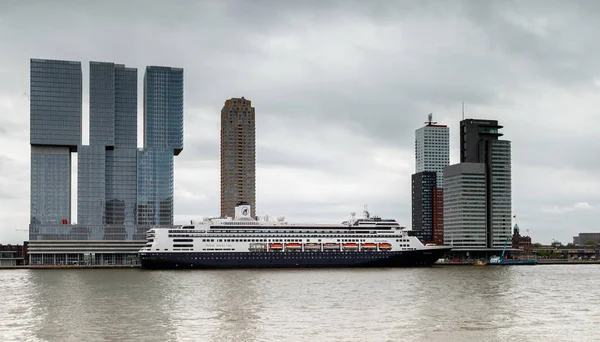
(243, 234)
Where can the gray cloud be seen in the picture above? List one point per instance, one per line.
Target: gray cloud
(339, 88)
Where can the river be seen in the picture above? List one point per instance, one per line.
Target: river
(441, 303)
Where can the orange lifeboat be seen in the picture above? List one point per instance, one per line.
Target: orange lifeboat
(368, 245)
(385, 246)
(350, 245)
(276, 246)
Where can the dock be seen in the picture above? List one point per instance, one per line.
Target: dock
(48, 267)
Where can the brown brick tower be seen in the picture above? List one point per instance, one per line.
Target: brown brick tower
(238, 156)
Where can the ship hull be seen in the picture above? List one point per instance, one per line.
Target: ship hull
(417, 258)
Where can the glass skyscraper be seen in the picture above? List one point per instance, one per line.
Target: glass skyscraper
(107, 168)
(113, 175)
(163, 138)
(55, 132)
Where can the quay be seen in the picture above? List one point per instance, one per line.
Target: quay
(47, 267)
(539, 262)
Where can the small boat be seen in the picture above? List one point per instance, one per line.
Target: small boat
(276, 246)
(385, 246)
(480, 263)
(312, 246)
(350, 246)
(368, 246)
(496, 260)
(502, 261)
(331, 246)
(293, 246)
(257, 247)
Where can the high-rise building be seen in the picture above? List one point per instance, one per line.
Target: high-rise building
(480, 144)
(432, 149)
(423, 185)
(163, 138)
(238, 156)
(55, 132)
(432, 154)
(438, 216)
(110, 184)
(107, 168)
(465, 208)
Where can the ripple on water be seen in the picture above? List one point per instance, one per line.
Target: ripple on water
(424, 304)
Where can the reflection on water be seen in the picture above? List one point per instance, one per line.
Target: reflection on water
(423, 304)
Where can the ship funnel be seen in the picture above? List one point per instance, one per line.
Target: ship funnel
(243, 212)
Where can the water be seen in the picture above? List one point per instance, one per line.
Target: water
(529, 303)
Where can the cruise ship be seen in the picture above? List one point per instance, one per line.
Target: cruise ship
(244, 242)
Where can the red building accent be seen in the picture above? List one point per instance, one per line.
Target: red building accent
(438, 216)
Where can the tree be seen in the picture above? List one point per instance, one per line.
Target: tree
(570, 244)
(590, 243)
(537, 245)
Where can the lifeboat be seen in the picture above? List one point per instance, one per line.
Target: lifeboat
(385, 246)
(312, 246)
(331, 246)
(257, 247)
(294, 246)
(276, 246)
(350, 245)
(368, 246)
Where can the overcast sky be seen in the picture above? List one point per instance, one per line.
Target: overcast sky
(339, 88)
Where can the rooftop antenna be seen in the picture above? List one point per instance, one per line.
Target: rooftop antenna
(463, 110)
(430, 120)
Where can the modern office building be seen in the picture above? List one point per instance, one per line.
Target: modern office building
(423, 185)
(586, 238)
(238, 156)
(438, 216)
(432, 149)
(432, 154)
(109, 183)
(163, 139)
(465, 209)
(480, 144)
(55, 132)
(107, 168)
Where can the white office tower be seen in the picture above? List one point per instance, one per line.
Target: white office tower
(432, 149)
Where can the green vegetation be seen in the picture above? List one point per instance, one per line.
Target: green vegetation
(590, 243)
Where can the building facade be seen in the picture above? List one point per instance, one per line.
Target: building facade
(163, 139)
(238, 156)
(520, 242)
(432, 149)
(501, 192)
(587, 238)
(465, 209)
(107, 168)
(438, 216)
(423, 187)
(480, 144)
(432, 155)
(55, 132)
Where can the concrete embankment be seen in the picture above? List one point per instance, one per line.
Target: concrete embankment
(46, 267)
(540, 262)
